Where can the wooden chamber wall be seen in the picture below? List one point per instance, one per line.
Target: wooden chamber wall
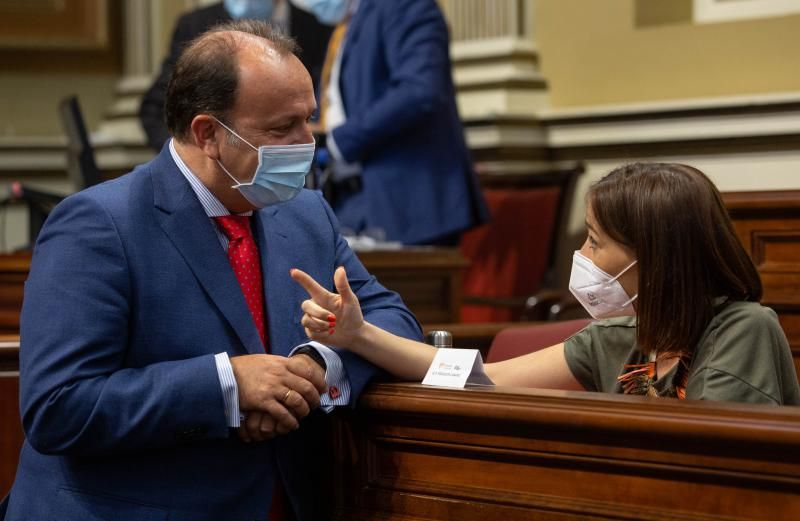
(768, 224)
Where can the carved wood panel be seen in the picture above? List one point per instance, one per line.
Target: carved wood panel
(768, 224)
(518, 454)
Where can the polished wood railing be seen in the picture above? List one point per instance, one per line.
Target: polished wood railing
(413, 452)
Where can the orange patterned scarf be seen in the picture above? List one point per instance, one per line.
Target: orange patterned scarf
(640, 380)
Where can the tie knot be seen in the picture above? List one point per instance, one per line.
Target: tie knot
(234, 226)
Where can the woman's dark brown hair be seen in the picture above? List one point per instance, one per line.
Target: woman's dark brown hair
(672, 217)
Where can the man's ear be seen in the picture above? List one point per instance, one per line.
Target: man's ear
(205, 133)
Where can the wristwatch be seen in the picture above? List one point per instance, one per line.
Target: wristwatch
(313, 353)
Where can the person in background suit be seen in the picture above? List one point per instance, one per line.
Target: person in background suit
(311, 36)
(399, 161)
(143, 340)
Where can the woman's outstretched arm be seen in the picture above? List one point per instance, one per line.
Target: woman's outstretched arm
(336, 319)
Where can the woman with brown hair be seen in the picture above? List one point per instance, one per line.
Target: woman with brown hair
(676, 294)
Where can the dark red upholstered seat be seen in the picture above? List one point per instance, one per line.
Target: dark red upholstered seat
(516, 341)
(509, 255)
(512, 257)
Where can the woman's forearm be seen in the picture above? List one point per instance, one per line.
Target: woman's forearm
(546, 368)
(404, 358)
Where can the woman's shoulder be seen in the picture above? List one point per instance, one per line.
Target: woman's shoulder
(610, 334)
(624, 322)
(611, 326)
(745, 314)
(744, 357)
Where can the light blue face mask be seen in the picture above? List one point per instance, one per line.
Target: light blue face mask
(329, 12)
(257, 9)
(280, 174)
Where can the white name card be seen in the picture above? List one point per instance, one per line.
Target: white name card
(456, 368)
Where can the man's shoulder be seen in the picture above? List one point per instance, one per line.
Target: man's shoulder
(127, 188)
(105, 197)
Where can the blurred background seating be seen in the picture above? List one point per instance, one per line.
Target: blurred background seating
(513, 258)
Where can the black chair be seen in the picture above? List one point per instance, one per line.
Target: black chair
(81, 166)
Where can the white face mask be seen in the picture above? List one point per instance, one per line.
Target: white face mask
(601, 294)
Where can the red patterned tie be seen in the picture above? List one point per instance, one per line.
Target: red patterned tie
(243, 254)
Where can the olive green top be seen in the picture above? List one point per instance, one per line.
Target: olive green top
(743, 356)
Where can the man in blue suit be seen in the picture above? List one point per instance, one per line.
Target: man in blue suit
(399, 159)
(139, 348)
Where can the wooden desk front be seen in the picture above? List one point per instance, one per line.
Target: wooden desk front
(13, 273)
(411, 452)
(428, 280)
(11, 435)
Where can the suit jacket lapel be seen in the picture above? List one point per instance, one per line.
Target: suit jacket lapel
(276, 261)
(354, 29)
(181, 216)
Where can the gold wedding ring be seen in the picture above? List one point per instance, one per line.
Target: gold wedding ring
(286, 396)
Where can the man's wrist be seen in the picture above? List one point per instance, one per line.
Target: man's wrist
(312, 354)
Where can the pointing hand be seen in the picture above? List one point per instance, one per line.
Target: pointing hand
(330, 318)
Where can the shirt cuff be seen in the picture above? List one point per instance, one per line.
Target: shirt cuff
(340, 168)
(335, 376)
(330, 142)
(230, 391)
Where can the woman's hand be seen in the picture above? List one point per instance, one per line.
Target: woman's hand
(330, 318)
(337, 320)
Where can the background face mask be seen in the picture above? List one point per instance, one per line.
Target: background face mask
(598, 292)
(257, 9)
(280, 174)
(329, 12)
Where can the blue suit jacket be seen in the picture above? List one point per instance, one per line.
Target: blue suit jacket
(402, 122)
(129, 297)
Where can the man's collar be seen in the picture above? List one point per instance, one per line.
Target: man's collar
(212, 206)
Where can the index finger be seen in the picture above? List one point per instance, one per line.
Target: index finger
(312, 287)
